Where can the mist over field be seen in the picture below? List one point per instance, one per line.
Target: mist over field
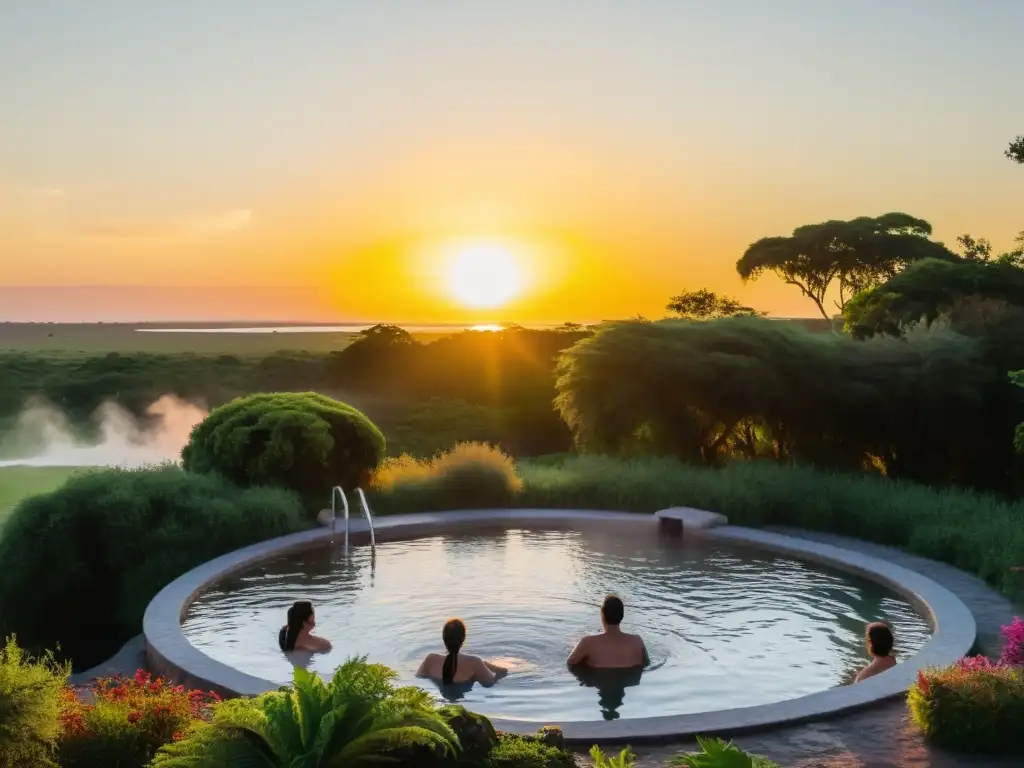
(44, 437)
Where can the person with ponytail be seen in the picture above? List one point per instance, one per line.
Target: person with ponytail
(454, 667)
(297, 634)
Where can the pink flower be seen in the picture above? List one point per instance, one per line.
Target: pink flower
(976, 664)
(1013, 648)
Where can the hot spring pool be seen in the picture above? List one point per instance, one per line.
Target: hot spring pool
(725, 627)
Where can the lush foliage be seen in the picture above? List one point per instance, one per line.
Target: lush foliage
(30, 699)
(704, 304)
(922, 520)
(528, 752)
(928, 407)
(127, 721)
(973, 707)
(355, 720)
(715, 753)
(94, 552)
(304, 442)
(852, 255)
(469, 475)
(929, 289)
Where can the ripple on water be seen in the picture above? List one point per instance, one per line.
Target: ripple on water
(724, 628)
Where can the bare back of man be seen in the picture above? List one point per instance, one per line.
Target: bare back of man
(613, 648)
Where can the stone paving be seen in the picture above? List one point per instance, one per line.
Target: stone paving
(882, 736)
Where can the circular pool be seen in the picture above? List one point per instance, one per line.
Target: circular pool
(727, 627)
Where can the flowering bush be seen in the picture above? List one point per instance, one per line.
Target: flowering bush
(127, 720)
(1013, 647)
(30, 692)
(975, 705)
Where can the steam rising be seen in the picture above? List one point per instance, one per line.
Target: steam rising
(45, 437)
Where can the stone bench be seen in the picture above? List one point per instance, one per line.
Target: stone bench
(675, 520)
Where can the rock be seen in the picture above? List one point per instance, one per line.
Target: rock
(476, 737)
(552, 736)
(475, 732)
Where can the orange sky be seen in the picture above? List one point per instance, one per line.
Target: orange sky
(317, 166)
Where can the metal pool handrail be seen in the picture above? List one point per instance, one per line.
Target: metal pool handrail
(369, 521)
(336, 493)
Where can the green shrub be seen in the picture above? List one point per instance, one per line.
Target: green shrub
(970, 708)
(625, 758)
(30, 701)
(527, 752)
(304, 442)
(81, 564)
(716, 753)
(356, 720)
(470, 475)
(128, 720)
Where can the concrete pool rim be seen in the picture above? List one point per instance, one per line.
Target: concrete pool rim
(954, 630)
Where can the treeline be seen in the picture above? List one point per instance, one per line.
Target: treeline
(936, 405)
(509, 373)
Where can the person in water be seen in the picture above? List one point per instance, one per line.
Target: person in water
(297, 634)
(613, 648)
(454, 667)
(880, 642)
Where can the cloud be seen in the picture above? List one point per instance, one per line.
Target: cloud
(173, 229)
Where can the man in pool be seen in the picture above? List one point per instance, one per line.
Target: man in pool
(880, 641)
(613, 648)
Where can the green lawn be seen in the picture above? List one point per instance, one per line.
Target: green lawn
(18, 482)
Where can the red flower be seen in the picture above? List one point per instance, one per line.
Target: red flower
(923, 684)
(134, 717)
(177, 736)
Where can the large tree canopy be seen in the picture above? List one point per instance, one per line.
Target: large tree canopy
(1016, 150)
(704, 304)
(929, 289)
(851, 256)
(928, 407)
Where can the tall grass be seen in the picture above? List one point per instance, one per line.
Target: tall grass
(977, 533)
(469, 475)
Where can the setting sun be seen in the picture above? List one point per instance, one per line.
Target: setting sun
(484, 276)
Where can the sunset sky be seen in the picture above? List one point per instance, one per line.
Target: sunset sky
(332, 160)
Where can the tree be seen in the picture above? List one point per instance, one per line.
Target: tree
(973, 249)
(705, 304)
(980, 249)
(357, 720)
(304, 442)
(853, 255)
(1016, 150)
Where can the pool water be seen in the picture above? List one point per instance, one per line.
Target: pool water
(724, 627)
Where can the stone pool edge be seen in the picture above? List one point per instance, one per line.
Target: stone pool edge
(169, 653)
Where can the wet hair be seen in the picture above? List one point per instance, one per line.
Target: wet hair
(454, 635)
(612, 611)
(298, 615)
(880, 639)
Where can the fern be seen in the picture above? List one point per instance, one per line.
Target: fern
(625, 759)
(357, 719)
(716, 753)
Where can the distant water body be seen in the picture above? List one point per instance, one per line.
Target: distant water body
(332, 329)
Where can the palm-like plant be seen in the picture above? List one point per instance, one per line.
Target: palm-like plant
(358, 719)
(716, 753)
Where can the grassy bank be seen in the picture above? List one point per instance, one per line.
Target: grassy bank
(977, 533)
(17, 483)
